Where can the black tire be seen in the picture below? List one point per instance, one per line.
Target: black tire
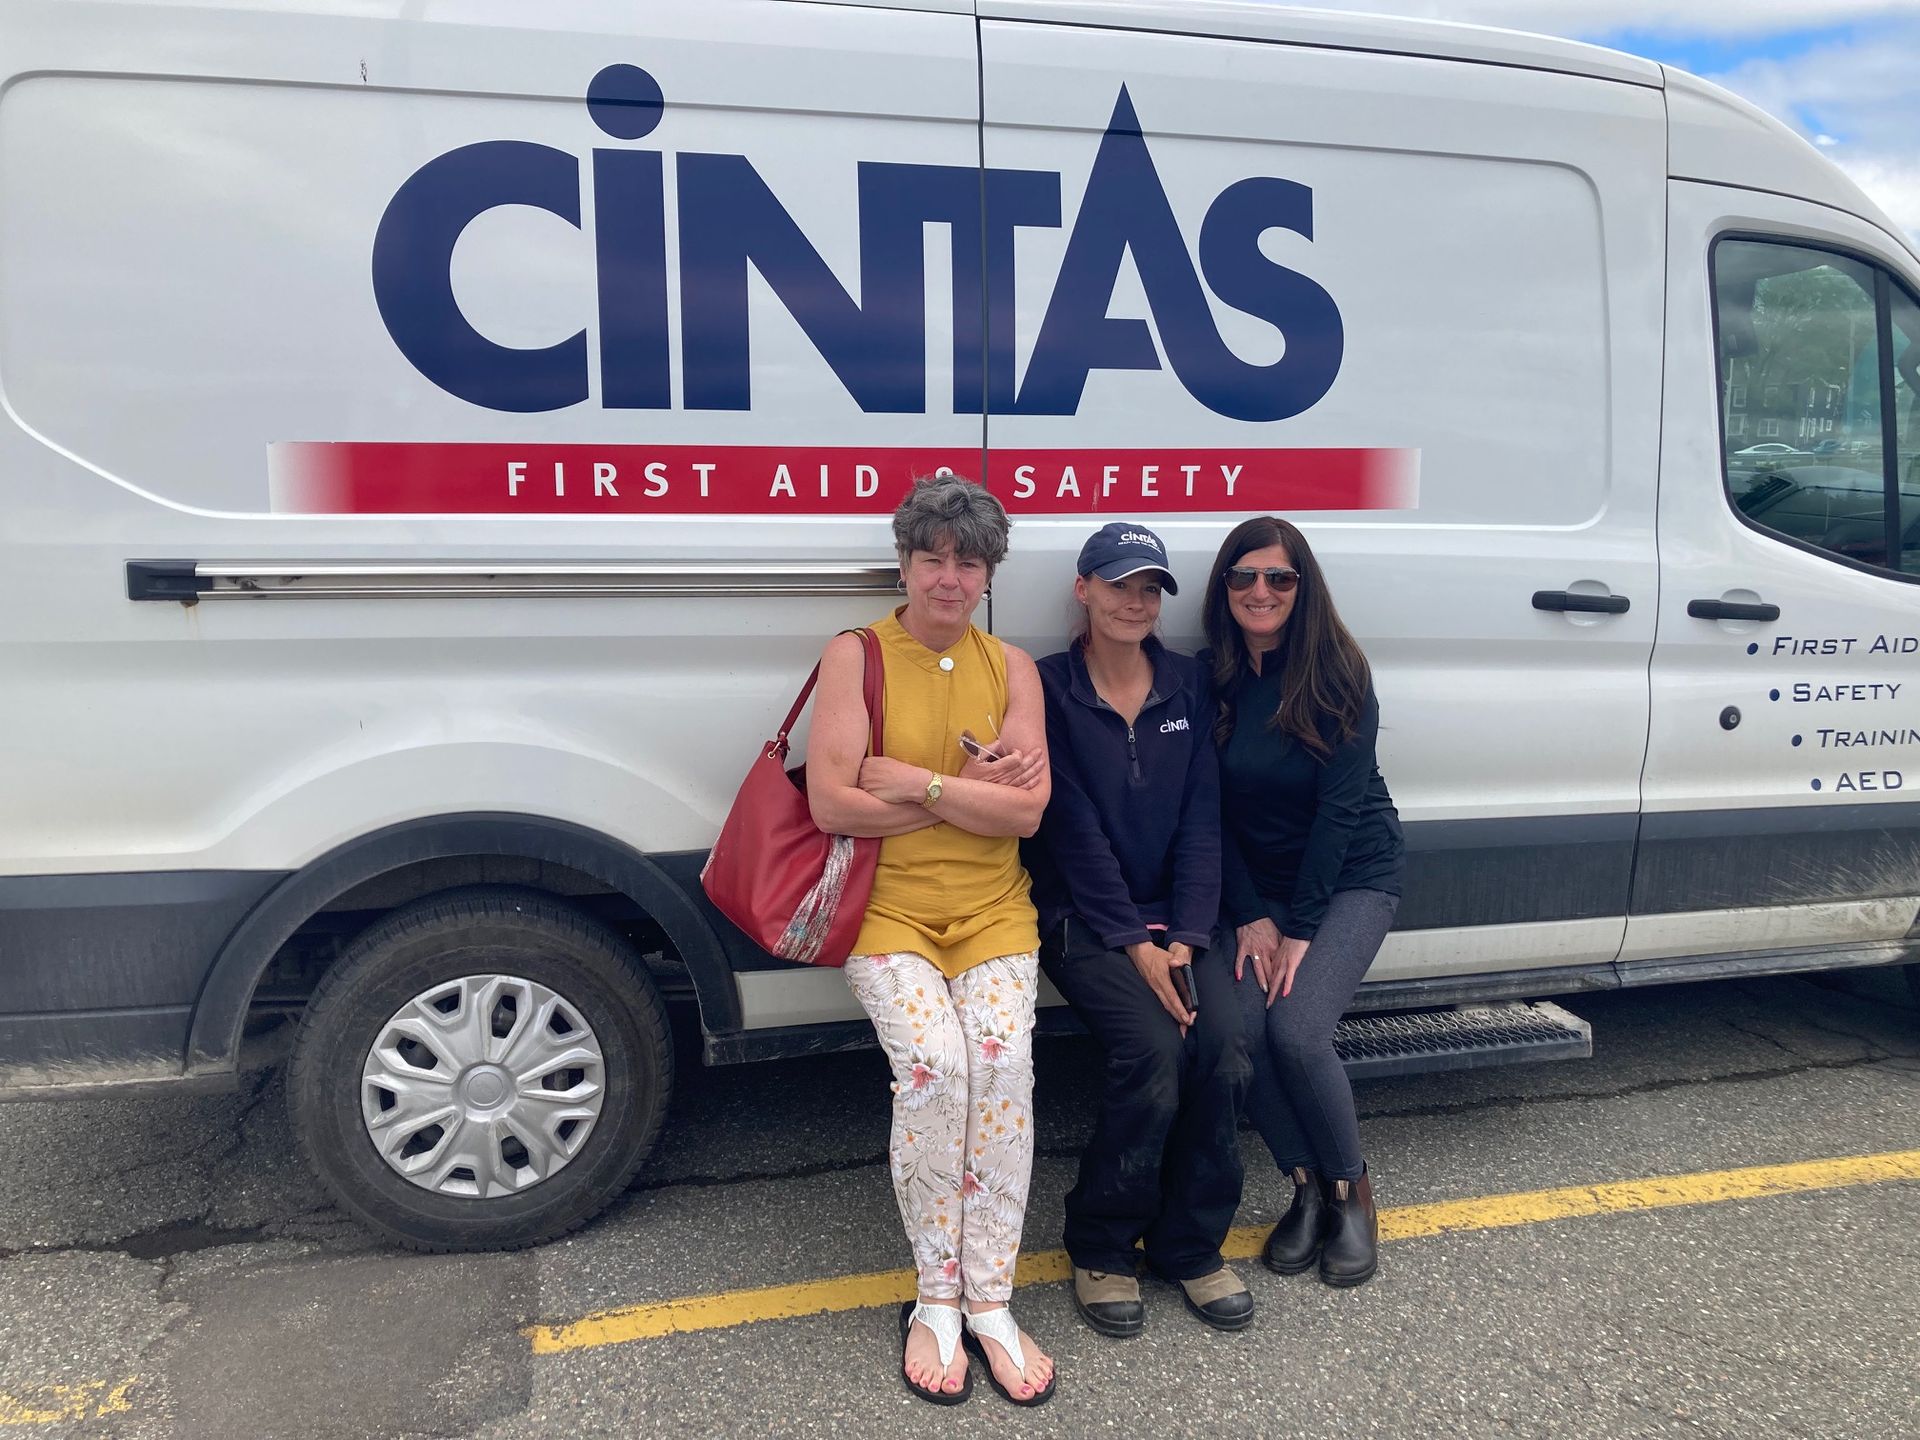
(1913, 982)
(480, 930)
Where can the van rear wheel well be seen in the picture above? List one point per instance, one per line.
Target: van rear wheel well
(275, 957)
(319, 943)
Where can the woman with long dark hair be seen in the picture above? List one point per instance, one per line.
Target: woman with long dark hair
(1311, 862)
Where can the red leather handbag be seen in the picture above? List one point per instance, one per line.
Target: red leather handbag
(796, 891)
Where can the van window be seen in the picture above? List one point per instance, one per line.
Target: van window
(1800, 328)
(1906, 411)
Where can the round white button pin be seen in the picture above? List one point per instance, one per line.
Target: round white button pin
(946, 662)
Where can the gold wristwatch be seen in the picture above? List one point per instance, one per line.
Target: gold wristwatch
(934, 787)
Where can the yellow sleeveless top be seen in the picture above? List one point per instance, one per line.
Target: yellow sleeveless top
(956, 898)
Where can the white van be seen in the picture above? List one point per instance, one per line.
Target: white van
(435, 450)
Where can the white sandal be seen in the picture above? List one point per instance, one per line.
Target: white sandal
(944, 1321)
(997, 1326)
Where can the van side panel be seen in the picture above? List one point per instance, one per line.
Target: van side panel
(175, 305)
(328, 298)
(1478, 250)
(1413, 304)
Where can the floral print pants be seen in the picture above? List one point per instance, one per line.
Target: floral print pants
(962, 1146)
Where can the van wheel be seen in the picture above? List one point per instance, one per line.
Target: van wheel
(482, 1069)
(1913, 982)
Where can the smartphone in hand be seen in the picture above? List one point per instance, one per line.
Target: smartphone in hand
(1185, 988)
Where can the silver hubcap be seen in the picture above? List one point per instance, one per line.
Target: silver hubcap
(482, 1086)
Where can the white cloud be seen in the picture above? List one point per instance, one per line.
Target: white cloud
(1856, 98)
(1857, 101)
(1893, 182)
(1593, 17)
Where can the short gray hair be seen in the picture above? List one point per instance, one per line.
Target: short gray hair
(944, 510)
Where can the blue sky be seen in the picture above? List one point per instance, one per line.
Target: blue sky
(1844, 73)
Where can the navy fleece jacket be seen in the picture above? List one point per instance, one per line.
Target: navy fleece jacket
(1131, 838)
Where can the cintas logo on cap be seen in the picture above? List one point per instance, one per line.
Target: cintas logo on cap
(1122, 548)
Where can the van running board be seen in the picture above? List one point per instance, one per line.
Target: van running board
(1373, 1047)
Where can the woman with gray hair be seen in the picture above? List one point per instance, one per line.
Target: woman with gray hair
(946, 963)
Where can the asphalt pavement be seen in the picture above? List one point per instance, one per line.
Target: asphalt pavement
(168, 1268)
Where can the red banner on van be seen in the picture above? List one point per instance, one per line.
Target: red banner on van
(374, 478)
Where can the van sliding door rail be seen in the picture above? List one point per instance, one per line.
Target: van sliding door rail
(188, 582)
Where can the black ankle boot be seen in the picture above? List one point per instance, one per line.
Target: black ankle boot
(1295, 1242)
(1350, 1253)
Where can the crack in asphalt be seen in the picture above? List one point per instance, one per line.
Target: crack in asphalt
(161, 1244)
(1874, 1047)
(255, 1099)
(198, 1154)
(1764, 1038)
(158, 1243)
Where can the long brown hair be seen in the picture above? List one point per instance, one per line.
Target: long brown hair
(1324, 673)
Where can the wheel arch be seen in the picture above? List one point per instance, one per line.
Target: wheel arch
(220, 1012)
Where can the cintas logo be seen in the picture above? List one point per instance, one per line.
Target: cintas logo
(730, 223)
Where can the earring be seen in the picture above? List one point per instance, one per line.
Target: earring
(901, 584)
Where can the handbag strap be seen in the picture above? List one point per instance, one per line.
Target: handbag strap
(873, 686)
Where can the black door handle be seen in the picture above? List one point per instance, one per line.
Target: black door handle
(1586, 604)
(1731, 610)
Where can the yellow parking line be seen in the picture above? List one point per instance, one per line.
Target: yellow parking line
(54, 1404)
(1488, 1212)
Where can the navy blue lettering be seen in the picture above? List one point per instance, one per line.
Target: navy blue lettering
(730, 219)
(897, 202)
(1299, 309)
(731, 225)
(625, 101)
(1014, 198)
(630, 248)
(1125, 210)
(413, 283)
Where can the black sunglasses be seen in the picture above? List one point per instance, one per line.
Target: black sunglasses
(1280, 581)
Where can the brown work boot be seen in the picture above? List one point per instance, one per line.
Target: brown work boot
(1221, 1299)
(1109, 1303)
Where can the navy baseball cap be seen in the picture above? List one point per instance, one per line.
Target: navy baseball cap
(1123, 548)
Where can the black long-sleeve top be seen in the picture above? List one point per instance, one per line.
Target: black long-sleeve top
(1131, 838)
(1298, 828)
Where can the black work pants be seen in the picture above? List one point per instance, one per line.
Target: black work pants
(1163, 1166)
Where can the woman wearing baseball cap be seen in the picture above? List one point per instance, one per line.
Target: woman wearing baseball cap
(1126, 879)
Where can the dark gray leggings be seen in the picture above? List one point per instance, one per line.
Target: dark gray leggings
(1301, 1102)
